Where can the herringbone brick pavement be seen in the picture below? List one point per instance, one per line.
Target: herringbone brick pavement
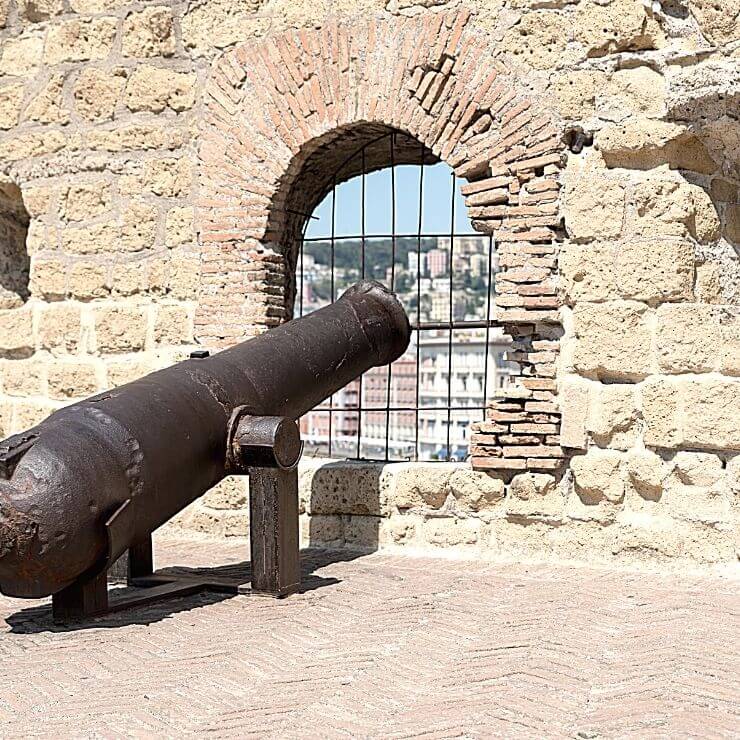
(388, 646)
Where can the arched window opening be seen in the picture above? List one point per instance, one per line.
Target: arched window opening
(396, 214)
(14, 259)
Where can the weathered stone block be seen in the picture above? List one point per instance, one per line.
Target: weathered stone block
(86, 200)
(231, 493)
(16, 332)
(97, 92)
(593, 204)
(88, 280)
(451, 532)
(711, 409)
(341, 488)
(92, 239)
(475, 491)
(587, 272)
(23, 378)
(36, 11)
(719, 22)
(420, 486)
(612, 415)
(11, 101)
(179, 228)
(48, 278)
(78, 40)
(173, 325)
(60, 329)
(149, 33)
(687, 338)
(574, 398)
(598, 476)
(139, 226)
(540, 40)
(155, 88)
(646, 472)
(48, 106)
(612, 339)
(698, 468)
(70, 380)
(21, 55)
(659, 411)
(534, 495)
(120, 329)
(658, 270)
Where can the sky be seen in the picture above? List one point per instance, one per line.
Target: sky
(437, 189)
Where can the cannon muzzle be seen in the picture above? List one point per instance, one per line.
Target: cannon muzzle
(153, 446)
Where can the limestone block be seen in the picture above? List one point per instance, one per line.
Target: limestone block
(420, 486)
(672, 208)
(475, 491)
(24, 378)
(88, 280)
(4, 12)
(155, 88)
(341, 487)
(48, 106)
(659, 411)
(575, 92)
(36, 11)
(29, 414)
(231, 493)
(169, 177)
(37, 200)
(78, 40)
(85, 200)
(613, 340)
(401, 529)
(730, 353)
(534, 495)
(60, 329)
(92, 7)
(711, 409)
(719, 22)
(638, 144)
(622, 25)
(656, 270)
(574, 398)
(71, 380)
(149, 33)
(598, 476)
(362, 532)
(612, 415)
(22, 55)
(120, 329)
(688, 337)
(11, 101)
(646, 472)
(325, 529)
(724, 191)
(120, 372)
(221, 23)
(593, 204)
(25, 146)
(587, 272)
(179, 228)
(129, 278)
(173, 325)
(139, 227)
(97, 92)
(698, 468)
(197, 518)
(6, 409)
(733, 475)
(183, 279)
(540, 40)
(48, 278)
(708, 285)
(636, 90)
(16, 332)
(451, 532)
(93, 239)
(135, 136)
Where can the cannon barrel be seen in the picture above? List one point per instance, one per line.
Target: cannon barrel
(160, 441)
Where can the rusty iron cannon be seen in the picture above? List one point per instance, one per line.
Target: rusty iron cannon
(95, 479)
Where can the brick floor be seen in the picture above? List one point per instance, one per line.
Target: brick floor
(387, 646)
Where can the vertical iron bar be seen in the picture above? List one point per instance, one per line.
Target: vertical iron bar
(449, 344)
(333, 235)
(418, 297)
(362, 277)
(392, 286)
(488, 324)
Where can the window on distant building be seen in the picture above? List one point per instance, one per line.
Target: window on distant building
(407, 227)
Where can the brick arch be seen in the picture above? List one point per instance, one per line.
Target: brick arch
(282, 112)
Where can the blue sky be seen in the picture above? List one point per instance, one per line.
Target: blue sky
(436, 210)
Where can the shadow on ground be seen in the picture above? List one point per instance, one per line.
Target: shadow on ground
(38, 618)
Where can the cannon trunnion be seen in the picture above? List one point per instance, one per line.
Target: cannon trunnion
(95, 479)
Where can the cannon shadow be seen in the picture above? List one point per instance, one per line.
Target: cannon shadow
(38, 618)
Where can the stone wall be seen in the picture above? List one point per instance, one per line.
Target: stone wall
(150, 154)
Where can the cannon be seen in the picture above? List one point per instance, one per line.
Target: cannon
(95, 479)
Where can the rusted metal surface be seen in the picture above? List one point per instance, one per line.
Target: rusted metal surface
(161, 441)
